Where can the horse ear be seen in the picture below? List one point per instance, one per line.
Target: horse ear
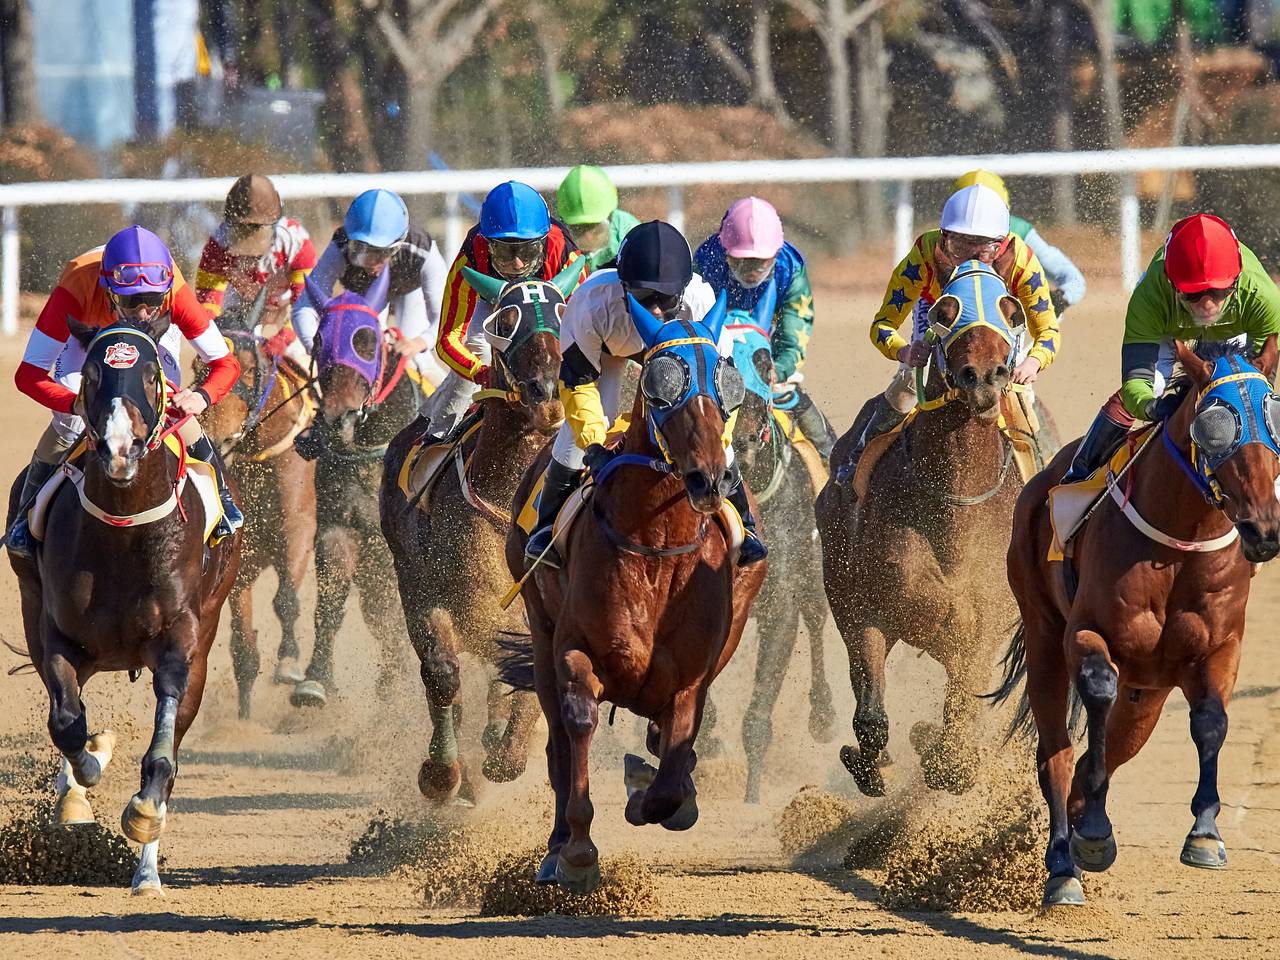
(646, 323)
(766, 305)
(379, 293)
(945, 311)
(1199, 370)
(489, 288)
(500, 326)
(1014, 313)
(566, 281)
(714, 320)
(319, 299)
(1265, 361)
(81, 331)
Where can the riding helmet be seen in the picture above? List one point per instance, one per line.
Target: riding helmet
(586, 195)
(655, 256)
(987, 179)
(136, 247)
(378, 218)
(1201, 253)
(976, 211)
(751, 228)
(514, 211)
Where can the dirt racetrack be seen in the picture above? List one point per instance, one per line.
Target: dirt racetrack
(264, 812)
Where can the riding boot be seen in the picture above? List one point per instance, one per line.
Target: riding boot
(814, 425)
(1104, 436)
(884, 419)
(232, 518)
(20, 541)
(753, 548)
(558, 483)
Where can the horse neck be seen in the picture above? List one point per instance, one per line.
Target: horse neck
(283, 407)
(955, 452)
(387, 418)
(639, 502)
(1165, 496)
(505, 445)
(151, 485)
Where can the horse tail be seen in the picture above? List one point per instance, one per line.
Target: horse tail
(515, 662)
(1014, 665)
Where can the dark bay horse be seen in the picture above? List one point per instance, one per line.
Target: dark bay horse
(366, 400)
(449, 544)
(917, 560)
(650, 603)
(254, 429)
(1152, 598)
(123, 580)
(784, 489)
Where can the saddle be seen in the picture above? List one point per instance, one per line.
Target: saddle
(803, 448)
(425, 463)
(201, 474)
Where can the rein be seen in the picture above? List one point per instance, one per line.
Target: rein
(256, 419)
(953, 499)
(617, 539)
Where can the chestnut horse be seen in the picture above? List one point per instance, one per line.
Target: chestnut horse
(917, 560)
(366, 400)
(123, 580)
(773, 470)
(254, 428)
(649, 604)
(448, 542)
(1152, 598)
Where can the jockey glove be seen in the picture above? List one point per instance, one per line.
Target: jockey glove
(597, 456)
(277, 345)
(482, 377)
(1059, 301)
(1163, 407)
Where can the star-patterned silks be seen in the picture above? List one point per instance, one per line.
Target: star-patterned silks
(912, 272)
(1036, 281)
(803, 306)
(884, 334)
(1047, 344)
(1040, 306)
(899, 298)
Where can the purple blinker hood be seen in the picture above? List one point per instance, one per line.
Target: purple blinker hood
(341, 318)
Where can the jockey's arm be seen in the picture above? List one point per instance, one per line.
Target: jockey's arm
(204, 336)
(306, 315)
(793, 325)
(43, 346)
(211, 276)
(303, 263)
(1059, 268)
(1027, 283)
(905, 288)
(418, 311)
(458, 306)
(582, 346)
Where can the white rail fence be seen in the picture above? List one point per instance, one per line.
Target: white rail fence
(904, 171)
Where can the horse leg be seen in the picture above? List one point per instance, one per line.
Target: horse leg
(245, 658)
(667, 795)
(336, 559)
(870, 720)
(547, 690)
(505, 760)
(1093, 843)
(84, 758)
(296, 490)
(1208, 693)
(432, 633)
(822, 714)
(948, 758)
(578, 864)
(777, 628)
(287, 609)
(379, 605)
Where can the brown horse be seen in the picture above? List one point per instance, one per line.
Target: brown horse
(254, 428)
(123, 580)
(917, 560)
(649, 605)
(448, 542)
(1152, 598)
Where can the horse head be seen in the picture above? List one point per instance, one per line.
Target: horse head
(751, 335)
(688, 392)
(122, 392)
(1233, 420)
(524, 332)
(348, 354)
(974, 322)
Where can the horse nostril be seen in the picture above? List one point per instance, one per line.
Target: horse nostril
(697, 483)
(968, 376)
(999, 375)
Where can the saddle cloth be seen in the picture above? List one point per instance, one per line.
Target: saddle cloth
(197, 472)
(424, 465)
(1070, 504)
(803, 447)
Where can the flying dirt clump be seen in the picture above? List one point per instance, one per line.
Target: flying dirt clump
(812, 816)
(626, 889)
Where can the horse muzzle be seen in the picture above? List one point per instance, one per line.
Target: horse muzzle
(706, 494)
(1259, 542)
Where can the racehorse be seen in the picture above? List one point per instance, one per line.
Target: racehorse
(784, 489)
(448, 539)
(649, 604)
(254, 429)
(124, 579)
(1151, 598)
(917, 558)
(365, 400)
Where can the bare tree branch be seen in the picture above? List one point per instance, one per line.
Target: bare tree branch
(807, 9)
(455, 45)
(737, 69)
(399, 44)
(853, 19)
(978, 16)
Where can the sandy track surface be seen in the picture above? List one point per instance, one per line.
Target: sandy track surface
(264, 812)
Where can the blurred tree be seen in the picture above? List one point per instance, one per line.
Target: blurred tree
(343, 126)
(17, 63)
(755, 74)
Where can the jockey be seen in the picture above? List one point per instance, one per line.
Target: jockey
(256, 245)
(740, 259)
(974, 226)
(515, 239)
(376, 235)
(597, 339)
(1203, 285)
(587, 203)
(1065, 279)
(130, 280)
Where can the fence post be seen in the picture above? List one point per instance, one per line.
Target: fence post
(675, 206)
(903, 221)
(9, 274)
(452, 226)
(1130, 231)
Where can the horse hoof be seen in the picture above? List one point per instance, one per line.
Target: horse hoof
(149, 889)
(309, 693)
(1093, 855)
(865, 774)
(1063, 892)
(440, 783)
(72, 808)
(685, 817)
(501, 769)
(1207, 853)
(143, 820)
(102, 745)
(288, 670)
(635, 801)
(546, 875)
(579, 880)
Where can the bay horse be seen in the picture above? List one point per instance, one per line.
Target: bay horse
(784, 489)
(366, 399)
(1153, 598)
(448, 543)
(649, 604)
(254, 428)
(917, 559)
(123, 580)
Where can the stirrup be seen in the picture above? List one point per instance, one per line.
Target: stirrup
(20, 541)
(538, 542)
(753, 550)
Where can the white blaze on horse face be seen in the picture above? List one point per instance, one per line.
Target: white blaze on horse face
(118, 437)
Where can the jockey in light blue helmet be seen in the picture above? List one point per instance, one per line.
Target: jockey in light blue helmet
(375, 222)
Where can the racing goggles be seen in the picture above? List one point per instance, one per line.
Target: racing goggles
(517, 258)
(750, 266)
(1213, 293)
(666, 303)
(132, 301)
(132, 274)
(667, 382)
(965, 246)
(365, 255)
